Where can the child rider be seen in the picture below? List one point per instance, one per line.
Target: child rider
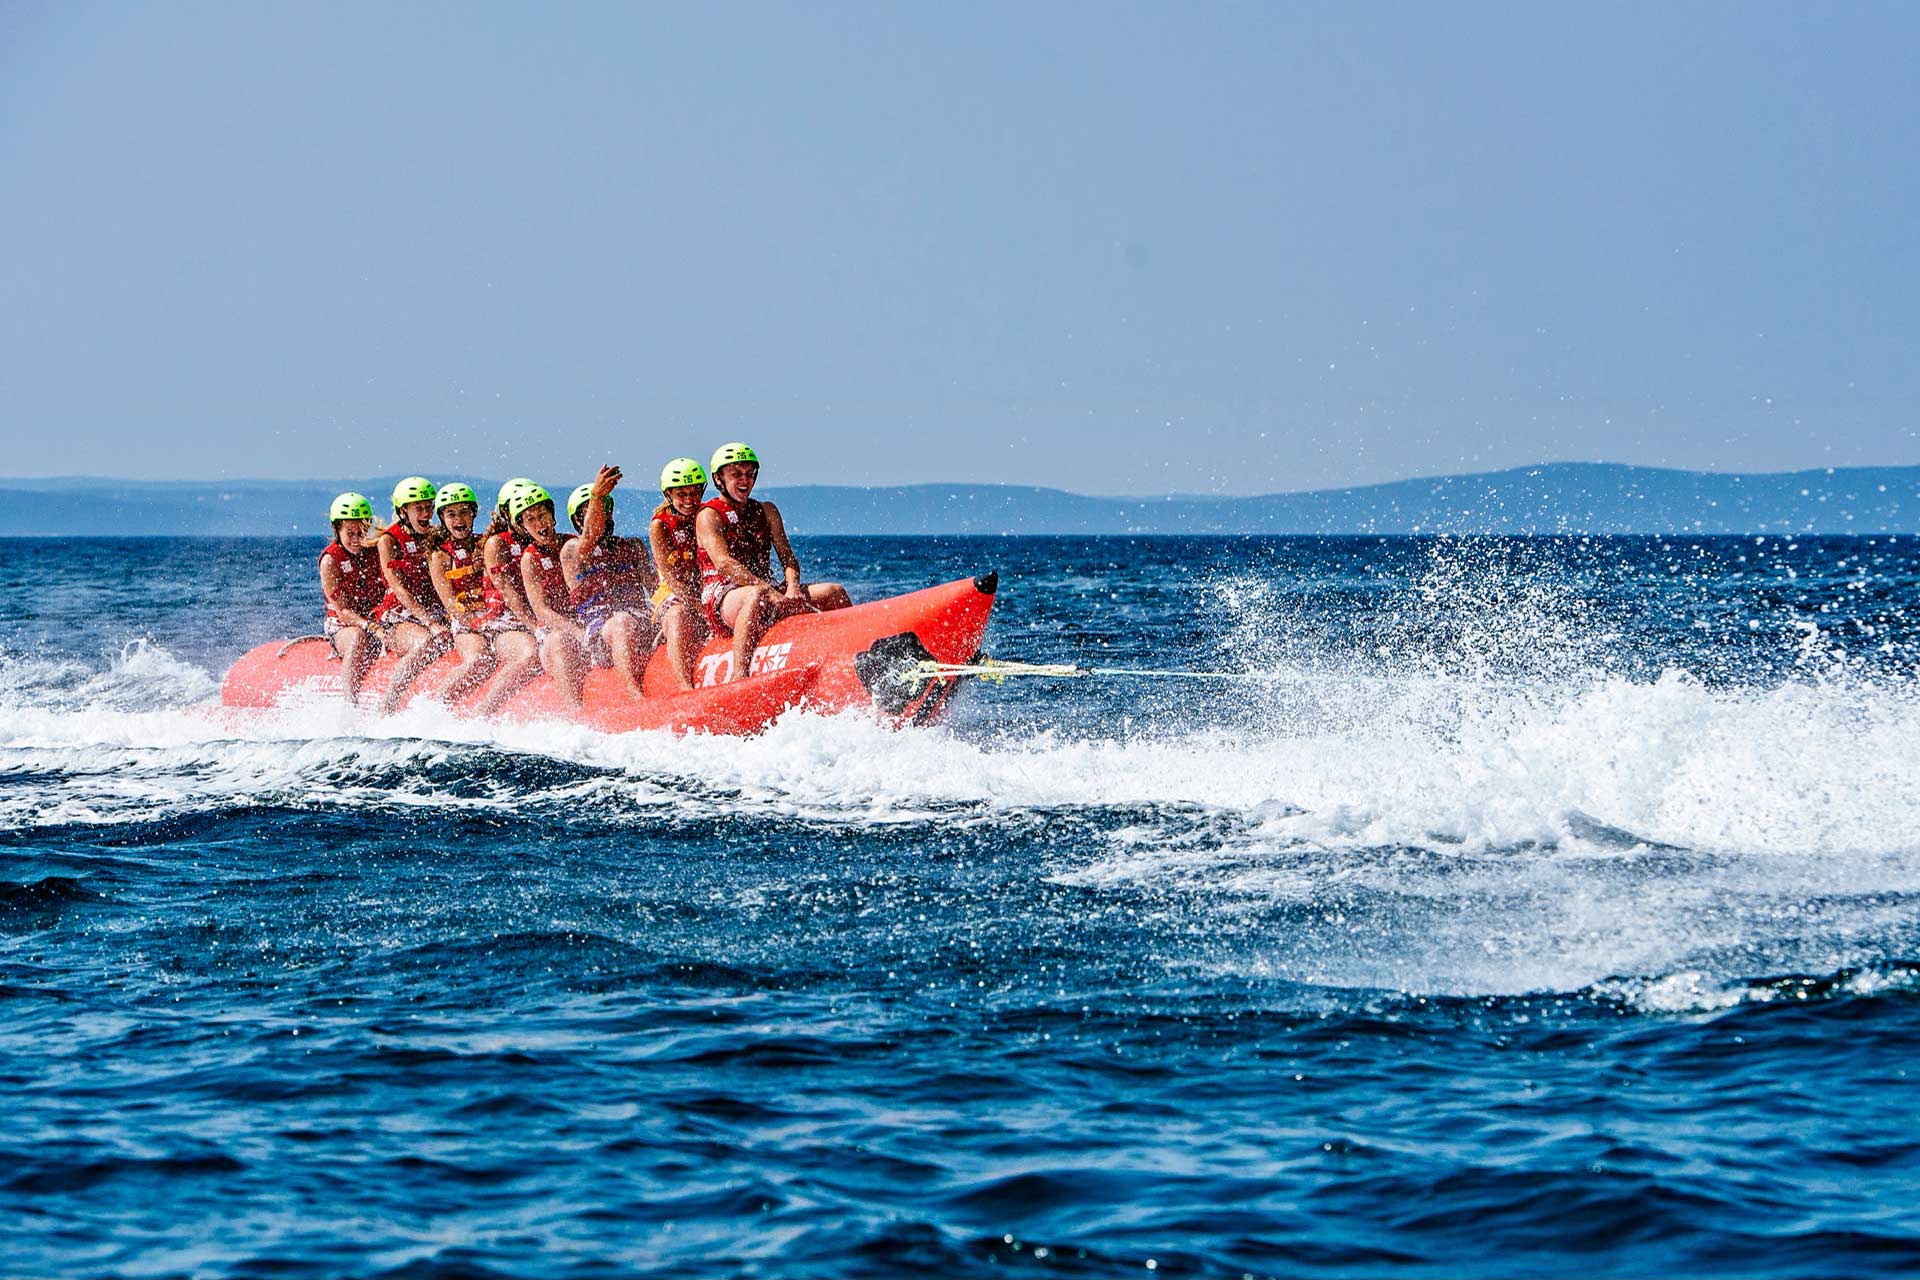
(351, 583)
(676, 562)
(418, 624)
(609, 580)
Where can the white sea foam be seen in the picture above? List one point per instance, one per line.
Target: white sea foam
(1691, 991)
(1425, 832)
(1808, 769)
(140, 676)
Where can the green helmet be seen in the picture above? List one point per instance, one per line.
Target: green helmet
(683, 471)
(525, 498)
(350, 506)
(506, 490)
(413, 489)
(734, 452)
(453, 495)
(578, 499)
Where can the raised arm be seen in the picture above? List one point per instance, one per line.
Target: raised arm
(594, 527)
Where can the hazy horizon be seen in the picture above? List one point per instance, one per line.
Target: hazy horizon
(633, 479)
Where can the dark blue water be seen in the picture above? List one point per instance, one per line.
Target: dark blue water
(1551, 908)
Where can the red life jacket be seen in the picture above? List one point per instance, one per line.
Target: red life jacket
(411, 564)
(552, 577)
(683, 551)
(506, 573)
(748, 535)
(360, 580)
(611, 573)
(466, 581)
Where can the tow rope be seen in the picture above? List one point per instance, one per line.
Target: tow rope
(994, 670)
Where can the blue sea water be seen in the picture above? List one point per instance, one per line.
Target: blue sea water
(1548, 907)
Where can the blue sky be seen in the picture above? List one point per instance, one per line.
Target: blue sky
(1118, 248)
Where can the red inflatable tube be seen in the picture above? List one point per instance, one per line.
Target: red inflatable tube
(827, 661)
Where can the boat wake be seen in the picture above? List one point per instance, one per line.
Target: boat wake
(1427, 835)
(1607, 768)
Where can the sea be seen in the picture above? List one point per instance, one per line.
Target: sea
(1501, 907)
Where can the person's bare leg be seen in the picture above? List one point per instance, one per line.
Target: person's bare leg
(357, 651)
(684, 630)
(829, 595)
(476, 664)
(565, 659)
(740, 609)
(623, 634)
(421, 650)
(519, 659)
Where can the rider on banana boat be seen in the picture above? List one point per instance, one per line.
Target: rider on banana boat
(351, 583)
(506, 599)
(484, 633)
(737, 538)
(500, 557)
(418, 624)
(676, 601)
(563, 641)
(609, 579)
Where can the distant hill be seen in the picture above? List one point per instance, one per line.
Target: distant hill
(1565, 497)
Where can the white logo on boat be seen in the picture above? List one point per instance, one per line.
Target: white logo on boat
(769, 657)
(717, 668)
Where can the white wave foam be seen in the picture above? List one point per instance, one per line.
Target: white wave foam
(1691, 991)
(1421, 833)
(1536, 841)
(1799, 768)
(141, 676)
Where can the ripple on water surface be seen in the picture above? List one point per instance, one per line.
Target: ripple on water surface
(1553, 934)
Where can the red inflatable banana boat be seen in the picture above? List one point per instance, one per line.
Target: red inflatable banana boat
(826, 661)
